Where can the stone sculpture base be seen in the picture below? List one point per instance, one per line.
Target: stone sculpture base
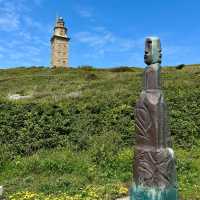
(148, 193)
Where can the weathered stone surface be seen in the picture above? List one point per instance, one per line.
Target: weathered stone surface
(154, 163)
(59, 45)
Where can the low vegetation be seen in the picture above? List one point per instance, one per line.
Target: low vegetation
(73, 137)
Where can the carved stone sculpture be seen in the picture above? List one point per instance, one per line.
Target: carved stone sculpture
(154, 162)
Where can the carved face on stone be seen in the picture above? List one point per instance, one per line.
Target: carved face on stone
(152, 51)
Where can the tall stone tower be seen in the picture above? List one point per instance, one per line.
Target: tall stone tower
(59, 44)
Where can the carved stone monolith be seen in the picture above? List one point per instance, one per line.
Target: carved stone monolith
(154, 162)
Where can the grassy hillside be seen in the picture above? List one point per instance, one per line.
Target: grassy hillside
(69, 134)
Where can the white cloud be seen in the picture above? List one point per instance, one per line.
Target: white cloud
(171, 50)
(94, 39)
(9, 23)
(14, 13)
(30, 22)
(27, 37)
(9, 16)
(38, 2)
(83, 11)
(103, 41)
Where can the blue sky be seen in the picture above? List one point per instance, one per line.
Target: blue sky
(104, 33)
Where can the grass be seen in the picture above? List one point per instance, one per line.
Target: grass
(74, 137)
(60, 170)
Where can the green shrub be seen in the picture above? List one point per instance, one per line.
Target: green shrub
(181, 66)
(121, 69)
(86, 68)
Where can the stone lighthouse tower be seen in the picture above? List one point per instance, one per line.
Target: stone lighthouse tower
(59, 45)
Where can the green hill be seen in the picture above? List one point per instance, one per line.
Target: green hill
(69, 134)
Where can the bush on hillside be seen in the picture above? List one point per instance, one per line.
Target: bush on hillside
(86, 67)
(121, 69)
(90, 76)
(180, 66)
(106, 106)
